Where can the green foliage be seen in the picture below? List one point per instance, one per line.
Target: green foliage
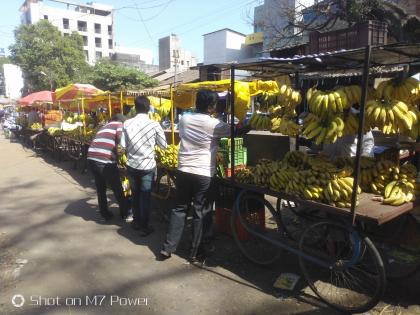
(40, 48)
(107, 75)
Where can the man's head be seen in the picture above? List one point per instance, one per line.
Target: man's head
(142, 104)
(206, 101)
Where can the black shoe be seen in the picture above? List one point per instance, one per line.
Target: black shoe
(146, 231)
(163, 255)
(136, 226)
(107, 216)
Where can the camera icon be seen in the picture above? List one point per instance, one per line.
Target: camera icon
(18, 300)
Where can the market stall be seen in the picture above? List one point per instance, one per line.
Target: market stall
(335, 200)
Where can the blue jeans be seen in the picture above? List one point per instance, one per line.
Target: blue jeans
(141, 183)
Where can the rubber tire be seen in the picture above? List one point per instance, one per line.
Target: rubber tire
(379, 263)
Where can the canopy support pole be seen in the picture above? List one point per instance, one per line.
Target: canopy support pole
(84, 118)
(365, 83)
(109, 106)
(232, 123)
(121, 103)
(172, 115)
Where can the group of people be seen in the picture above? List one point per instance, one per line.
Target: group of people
(199, 135)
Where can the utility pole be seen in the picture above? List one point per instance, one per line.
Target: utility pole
(176, 58)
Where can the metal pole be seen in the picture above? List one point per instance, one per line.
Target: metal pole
(121, 103)
(109, 106)
(232, 123)
(297, 119)
(171, 91)
(84, 118)
(365, 82)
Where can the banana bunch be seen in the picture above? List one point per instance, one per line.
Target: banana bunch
(294, 159)
(288, 97)
(324, 104)
(36, 126)
(126, 186)
(164, 109)
(280, 178)
(155, 116)
(285, 126)
(407, 91)
(245, 176)
(259, 122)
(326, 130)
(168, 157)
(281, 111)
(351, 124)
(398, 192)
(53, 131)
(122, 160)
(384, 172)
(390, 116)
(338, 192)
(263, 171)
(353, 93)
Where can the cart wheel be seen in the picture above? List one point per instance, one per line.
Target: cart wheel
(163, 185)
(296, 218)
(246, 217)
(355, 278)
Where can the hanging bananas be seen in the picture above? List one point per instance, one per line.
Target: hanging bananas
(259, 121)
(407, 91)
(285, 126)
(327, 130)
(324, 104)
(390, 116)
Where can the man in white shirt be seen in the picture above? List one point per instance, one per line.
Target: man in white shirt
(200, 134)
(139, 138)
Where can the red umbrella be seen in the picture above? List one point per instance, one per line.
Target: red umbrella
(41, 97)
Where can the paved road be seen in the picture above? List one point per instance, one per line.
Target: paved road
(54, 249)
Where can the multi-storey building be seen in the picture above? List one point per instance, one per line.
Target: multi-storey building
(141, 59)
(171, 54)
(93, 21)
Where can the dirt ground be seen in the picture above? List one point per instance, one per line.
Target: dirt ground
(58, 255)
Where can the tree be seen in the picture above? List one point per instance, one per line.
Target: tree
(110, 76)
(331, 14)
(46, 56)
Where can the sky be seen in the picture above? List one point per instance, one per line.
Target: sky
(140, 23)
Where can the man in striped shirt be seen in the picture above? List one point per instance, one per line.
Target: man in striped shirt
(139, 138)
(102, 157)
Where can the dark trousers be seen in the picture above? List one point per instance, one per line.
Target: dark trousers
(141, 183)
(198, 190)
(108, 175)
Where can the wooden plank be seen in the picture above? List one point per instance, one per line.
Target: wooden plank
(368, 209)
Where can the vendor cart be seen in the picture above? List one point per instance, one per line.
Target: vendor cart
(338, 260)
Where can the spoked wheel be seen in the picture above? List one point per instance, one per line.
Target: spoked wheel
(296, 218)
(352, 278)
(248, 216)
(163, 185)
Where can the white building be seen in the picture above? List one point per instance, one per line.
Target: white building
(139, 58)
(171, 52)
(272, 18)
(223, 46)
(13, 81)
(93, 21)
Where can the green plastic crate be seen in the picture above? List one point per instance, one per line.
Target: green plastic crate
(225, 143)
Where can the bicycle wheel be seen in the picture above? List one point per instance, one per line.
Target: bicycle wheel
(246, 216)
(355, 278)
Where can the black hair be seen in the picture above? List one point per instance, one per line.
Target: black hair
(204, 99)
(142, 104)
(126, 109)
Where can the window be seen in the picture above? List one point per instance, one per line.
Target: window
(110, 44)
(182, 62)
(66, 24)
(98, 55)
(109, 29)
(97, 28)
(86, 55)
(81, 26)
(45, 17)
(85, 41)
(66, 34)
(98, 42)
(188, 63)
